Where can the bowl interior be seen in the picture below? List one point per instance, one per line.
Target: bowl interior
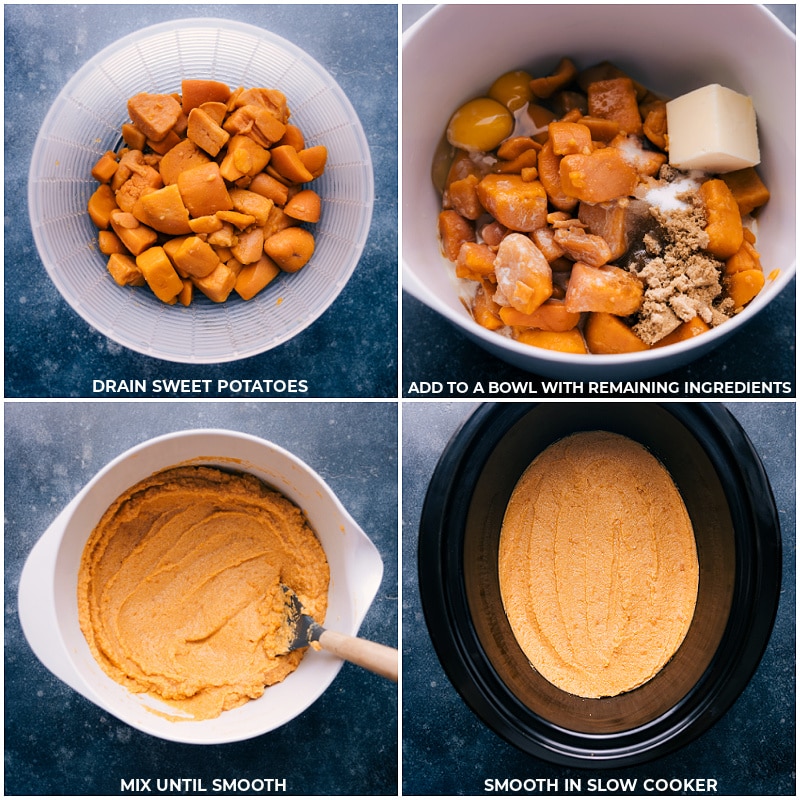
(671, 50)
(705, 499)
(356, 571)
(84, 122)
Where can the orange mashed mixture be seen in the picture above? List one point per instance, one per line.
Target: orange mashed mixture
(179, 588)
(598, 565)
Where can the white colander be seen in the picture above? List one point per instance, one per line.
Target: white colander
(85, 121)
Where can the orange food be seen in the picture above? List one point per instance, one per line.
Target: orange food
(575, 229)
(207, 182)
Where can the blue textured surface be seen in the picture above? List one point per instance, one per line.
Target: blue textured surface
(351, 351)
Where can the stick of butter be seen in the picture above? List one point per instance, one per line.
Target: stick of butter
(712, 129)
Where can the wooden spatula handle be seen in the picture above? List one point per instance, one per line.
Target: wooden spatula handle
(375, 657)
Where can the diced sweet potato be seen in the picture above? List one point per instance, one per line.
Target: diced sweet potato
(314, 159)
(686, 330)
(101, 203)
(746, 257)
(654, 126)
(268, 187)
(249, 246)
(236, 218)
(552, 315)
(305, 206)
(105, 167)
(609, 221)
(581, 246)
(215, 109)
(549, 164)
(646, 162)
(218, 284)
(255, 277)
(462, 196)
(291, 249)
(252, 203)
(154, 114)
(605, 288)
(475, 261)
(607, 334)
(205, 133)
(564, 73)
(598, 177)
(195, 257)
(183, 156)
(524, 278)
(163, 210)
(517, 204)
(135, 236)
(524, 164)
(273, 100)
(108, 243)
(743, 286)
(561, 341)
(133, 137)
(124, 271)
(747, 189)
(159, 274)
(195, 92)
(484, 309)
(256, 122)
(203, 190)
(569, 137)
(209, 223)
(602, 130)
(723, 220)
(454, 230)
(544, 239)
(616, 99)
(243, 157)
(293, 136)
(286, 160)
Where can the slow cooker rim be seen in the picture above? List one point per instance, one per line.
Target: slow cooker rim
(474, 676)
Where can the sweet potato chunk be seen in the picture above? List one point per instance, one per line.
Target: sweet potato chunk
(475, 261)
(305, 206)
(484, 310)
(608, 220)
(454, 230)
(615, 99)
(203, 190)
(135, 236)
(102, 202)
(291, 249)
(163, 210)
(581, 246)
(551, 315)
(607, 334)
(524, 278)
(183, 156)
(206, 133)
(549, 165)
(287, 162)
(124, 270)
(598, 177)
(519, 205)
(686, 330)
(255, 277)
(605, 288)
(462, 196)
(257, 123)
(195, 257)
(723, 220)
(154, 114)
(569, 137)
(218, 284)
(743, 286)
(195, 92)
(747, 189)
(561, 341)
(159, 274)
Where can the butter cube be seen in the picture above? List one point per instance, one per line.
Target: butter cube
(712, 129)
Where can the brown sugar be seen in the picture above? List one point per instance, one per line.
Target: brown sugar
(681, 280)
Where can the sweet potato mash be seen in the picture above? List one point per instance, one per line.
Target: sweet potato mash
(597, 565)
(179, 590)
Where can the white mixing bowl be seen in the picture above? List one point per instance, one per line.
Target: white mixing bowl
(48, 600)
(455, 52)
